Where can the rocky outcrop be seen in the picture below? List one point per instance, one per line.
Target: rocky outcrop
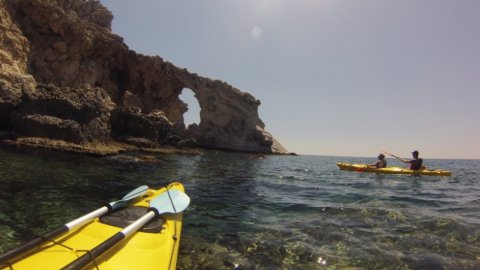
(14, 78)
(228, 117)
(65, 75)
(79, 115)
(130, 122)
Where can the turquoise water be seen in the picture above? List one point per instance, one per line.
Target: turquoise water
(264, 212)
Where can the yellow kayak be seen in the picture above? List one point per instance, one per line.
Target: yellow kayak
(154, 245)
(390, 170)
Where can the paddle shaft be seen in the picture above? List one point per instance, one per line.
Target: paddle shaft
(399, 158)
(171, 201)
(97, 251)
(38, 241)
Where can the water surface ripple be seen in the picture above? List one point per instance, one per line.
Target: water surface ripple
(264, 212)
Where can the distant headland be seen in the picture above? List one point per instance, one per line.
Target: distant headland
(68, 83)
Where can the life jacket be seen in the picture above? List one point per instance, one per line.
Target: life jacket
(381, 163)
(416, 164)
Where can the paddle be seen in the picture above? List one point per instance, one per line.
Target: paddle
(407, 161)
(399, 158)
(72, 225)
(171, 201)
(368, 164)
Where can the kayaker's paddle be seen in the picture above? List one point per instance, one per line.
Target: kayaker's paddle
(399, 158)
(171, 201)
(404, 160)
(72, 225)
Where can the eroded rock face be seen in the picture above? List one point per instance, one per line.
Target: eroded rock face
(228, 117)
(61, 55)
(77, 115)
(14, 79)
(131, 122)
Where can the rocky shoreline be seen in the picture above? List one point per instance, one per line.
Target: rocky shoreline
(67, 83)
(93, 149)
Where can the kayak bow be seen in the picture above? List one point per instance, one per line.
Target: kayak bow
(154, 246)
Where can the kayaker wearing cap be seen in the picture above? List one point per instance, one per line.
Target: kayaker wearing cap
(381, 162)
(415, 163)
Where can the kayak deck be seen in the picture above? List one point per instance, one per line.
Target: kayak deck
(390, 170)
(148, 248)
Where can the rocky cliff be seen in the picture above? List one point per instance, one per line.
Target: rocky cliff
(65, 76)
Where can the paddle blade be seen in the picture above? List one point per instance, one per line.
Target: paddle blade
(139, 191)
(171, 201)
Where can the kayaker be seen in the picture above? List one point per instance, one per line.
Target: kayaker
(380, 163)
(415, 163)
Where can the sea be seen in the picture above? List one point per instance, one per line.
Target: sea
(251, 211)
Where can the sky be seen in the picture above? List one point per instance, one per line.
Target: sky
(334, 77)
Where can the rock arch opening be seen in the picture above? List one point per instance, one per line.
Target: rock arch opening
(192, 115)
